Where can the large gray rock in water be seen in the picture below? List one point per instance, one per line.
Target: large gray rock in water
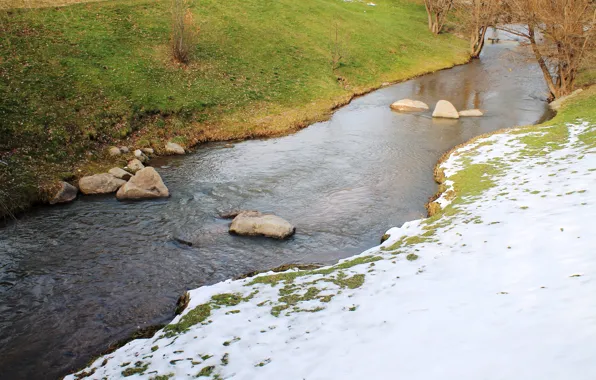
(135, 165)
(468, 113)
(173, 148)
(145, 184)
(253, 223)
(100, 184)
(409, 105)
(446, 110)
(66, 193)
(120, 173)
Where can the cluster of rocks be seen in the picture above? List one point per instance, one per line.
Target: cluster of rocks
(142, 154)
(443, 109)
(134, 181)
(145, 183)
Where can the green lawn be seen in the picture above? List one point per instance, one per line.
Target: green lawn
(76, 79)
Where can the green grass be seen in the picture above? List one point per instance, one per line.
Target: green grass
(76, 79)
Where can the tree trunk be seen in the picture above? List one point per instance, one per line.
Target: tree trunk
(554, 91)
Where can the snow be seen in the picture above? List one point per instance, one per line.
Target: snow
(501, 289)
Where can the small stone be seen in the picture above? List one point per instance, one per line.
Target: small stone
(135, 165)
(120, 173)
(471, 113)
(446, 110)
(148, 150)
(124, 149)
(66, 193)
(173, 148)
(114, 151)
(141, 156)
(100, 184)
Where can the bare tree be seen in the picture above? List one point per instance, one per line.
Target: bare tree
(184, 32)
(437, 11)
(339, 45)
(476, 17)
(561, 34)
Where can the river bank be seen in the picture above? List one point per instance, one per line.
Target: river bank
(86, 275)
(72, 89)
(482, 281)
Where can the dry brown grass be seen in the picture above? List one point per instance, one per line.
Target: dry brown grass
(12, 4)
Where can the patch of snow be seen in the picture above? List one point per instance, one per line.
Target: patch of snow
(504, 291)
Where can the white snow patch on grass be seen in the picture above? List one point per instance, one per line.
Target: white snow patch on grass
(500, 285)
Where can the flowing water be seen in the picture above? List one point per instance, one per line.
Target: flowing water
(77, 277)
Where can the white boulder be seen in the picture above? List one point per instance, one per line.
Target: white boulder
(100, 184)
(409, 105)
(145, 184)
(471, 113)
(173, 148)
(253, 223)
(446, 110)
(65, 193)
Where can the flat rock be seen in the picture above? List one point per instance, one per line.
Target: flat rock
(66, 193)
(253, 223)
(409, 105)
(114, 151)
(135, 165)
(471, 113)
(145, 184)
(100, 184)
(446, 110)
(173, 148)
(120, 173)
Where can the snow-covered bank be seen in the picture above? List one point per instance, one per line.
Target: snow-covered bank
(499, 284)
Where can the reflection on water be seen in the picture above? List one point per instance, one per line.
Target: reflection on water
(76, 277)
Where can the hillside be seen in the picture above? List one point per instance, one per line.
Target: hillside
(76, 79)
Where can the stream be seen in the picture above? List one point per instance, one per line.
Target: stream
(75, 278)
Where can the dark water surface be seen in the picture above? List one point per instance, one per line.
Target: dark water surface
(78, 277)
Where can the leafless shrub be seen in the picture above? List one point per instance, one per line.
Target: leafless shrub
(437, 11)
(184, 32)
(476, 17)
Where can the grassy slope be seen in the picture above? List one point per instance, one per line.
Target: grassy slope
(75, 79)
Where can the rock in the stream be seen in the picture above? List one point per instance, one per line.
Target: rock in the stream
(141, 156)
(468, 113)
(114, 151)
(120, 173)
(173, 148)
(409, 105)
(135, 165)
(66, 193)
(145, 184)
(100, 184)
(253, 223)
(446, 110)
